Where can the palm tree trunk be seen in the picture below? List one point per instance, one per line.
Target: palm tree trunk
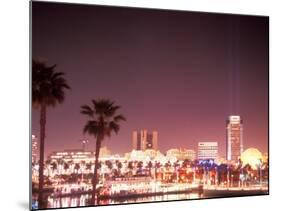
(95, 177)
(41, 161)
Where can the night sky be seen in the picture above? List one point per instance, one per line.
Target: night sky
(180, 73)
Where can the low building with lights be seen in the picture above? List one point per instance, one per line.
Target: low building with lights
(104, 152)
(207, 150)
(139, 155)
(34, 150)
(150, 155)
(182, 154)
(74, 155)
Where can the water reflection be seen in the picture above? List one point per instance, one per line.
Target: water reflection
(84, 200)
(68, 201)
(168, 197)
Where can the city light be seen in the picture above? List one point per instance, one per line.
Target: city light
(149, 172)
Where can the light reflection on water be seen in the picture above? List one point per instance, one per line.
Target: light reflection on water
(169, 197)
(84, 199)
(68, 201)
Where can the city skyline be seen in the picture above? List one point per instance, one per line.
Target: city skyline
(166, 77)
(219, 148)
(143, 140)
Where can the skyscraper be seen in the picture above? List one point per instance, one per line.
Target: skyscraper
(234, 138)
(155, 140)
(143, 140)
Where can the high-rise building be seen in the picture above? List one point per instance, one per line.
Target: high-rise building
(143, 140)
(207, 150)
(34, 153)
(234, 138)
(135, 140)
(155, 140)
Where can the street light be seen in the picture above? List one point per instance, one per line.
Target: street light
(84, 142)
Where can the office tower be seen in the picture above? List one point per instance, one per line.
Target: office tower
(155, 140)
(234, 138)
(143, 140)
(135, 140)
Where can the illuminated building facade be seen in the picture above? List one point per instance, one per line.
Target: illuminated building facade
(143, 140)
(207, 150)
(182, 154)
(104, 152)
(145, 156)
(75, 155)
(234, 138)
(34, 149)
(190, 154)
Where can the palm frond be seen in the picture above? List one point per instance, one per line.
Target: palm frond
(87, 110)
(92, 128)
(103, 116)
(111, 110)
(119, 118)
(57, 75)
(48, 86)
(114, 126)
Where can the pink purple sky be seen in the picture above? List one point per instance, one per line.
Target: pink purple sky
(180, 73)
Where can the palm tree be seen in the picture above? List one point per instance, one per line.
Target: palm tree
(65, 167)
(89, 166)
(119, 166)
(157, 166)
(70, 164)
(103, 120)
(130, 168)
(168, 165)
(149, 166)
(48, 89)
(60, 165)
(54, 166)
(48, 162)
(83, 163)
(109, 164)
(139, 167)
(77, 167)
